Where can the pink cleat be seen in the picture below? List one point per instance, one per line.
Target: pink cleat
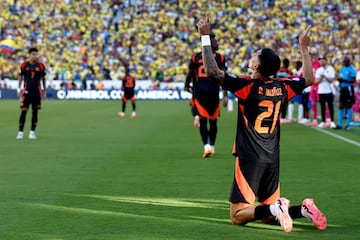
(282, 214)
(314, 123)
(311, 212)
(121, 114)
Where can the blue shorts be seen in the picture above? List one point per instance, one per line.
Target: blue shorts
(297, 99)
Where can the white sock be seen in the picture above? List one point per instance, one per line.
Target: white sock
(272, 209)
(300, 111)
(302, 211)
(230, 105)
(291, 111)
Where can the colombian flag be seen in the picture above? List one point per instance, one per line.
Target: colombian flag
(8, 46)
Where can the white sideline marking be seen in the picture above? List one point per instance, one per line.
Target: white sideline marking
(337, 136)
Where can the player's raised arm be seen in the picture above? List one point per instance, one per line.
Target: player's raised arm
(304, 41)
(211, 68)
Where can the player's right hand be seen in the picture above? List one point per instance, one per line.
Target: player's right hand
(204, 25)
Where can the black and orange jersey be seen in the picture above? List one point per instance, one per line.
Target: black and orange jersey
(32, 73)
(260, 103)
(202, 84)
(128, 82)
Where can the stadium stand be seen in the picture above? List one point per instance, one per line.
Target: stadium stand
(85, 39)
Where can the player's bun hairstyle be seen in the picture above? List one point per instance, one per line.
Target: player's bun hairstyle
(33, 49)
(269, 62)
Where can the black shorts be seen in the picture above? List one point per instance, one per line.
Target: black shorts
(347, 96)
(129, 94)
(252, 180)
(33, 99)
(208, 106)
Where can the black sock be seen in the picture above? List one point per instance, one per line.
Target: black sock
(295, 212)
(22, 120)
(212, 131)
(204, 131)
(123, 106)
(262, 211)
(134, 106)
(34, 119)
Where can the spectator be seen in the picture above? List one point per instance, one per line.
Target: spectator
(347, 76)
(82, 35)
(324, 76)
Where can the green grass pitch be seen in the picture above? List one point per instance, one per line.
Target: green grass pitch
(92, 175)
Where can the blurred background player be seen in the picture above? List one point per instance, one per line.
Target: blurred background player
(32, 73)
(284, 72)
(313, 95)
(128, 86)
(325, 76)
(356, 106)
(347, 76)
(230, 105)
(205, 100)
(305, 101)
(298, 98)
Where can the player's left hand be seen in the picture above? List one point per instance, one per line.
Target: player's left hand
(43, 96)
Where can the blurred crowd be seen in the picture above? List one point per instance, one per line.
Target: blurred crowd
(86, 39)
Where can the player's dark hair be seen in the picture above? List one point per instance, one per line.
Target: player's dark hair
(269, 62)
(298, 64)
(346, 61)
(33, 49)
(286, 62)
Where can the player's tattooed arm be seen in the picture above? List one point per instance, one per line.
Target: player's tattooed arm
(211, 68)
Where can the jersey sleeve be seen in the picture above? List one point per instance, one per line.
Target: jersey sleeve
(43, 69)
(22, 69)
(353, 72)
(238, 85)
(294, 87)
